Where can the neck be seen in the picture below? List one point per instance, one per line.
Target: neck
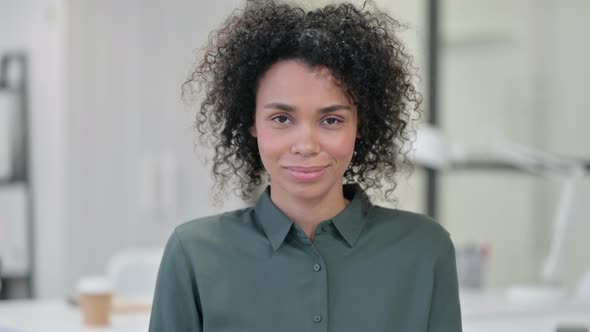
(308, 213)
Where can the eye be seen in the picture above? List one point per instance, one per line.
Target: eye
(332, 121)
(281, 119)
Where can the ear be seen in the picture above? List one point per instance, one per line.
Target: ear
(253, 130)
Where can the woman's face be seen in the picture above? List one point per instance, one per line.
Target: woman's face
(306, 128)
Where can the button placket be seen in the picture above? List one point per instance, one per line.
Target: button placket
(318, 304)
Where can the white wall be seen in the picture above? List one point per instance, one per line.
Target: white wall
(127, 61)
(37, 27)
(517, 71)
(486, 80)
(562, 55)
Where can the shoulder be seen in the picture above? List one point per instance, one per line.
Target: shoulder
(215, 224)
(406, 225)
(222, 234)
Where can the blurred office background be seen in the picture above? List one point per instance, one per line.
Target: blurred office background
(111, 157)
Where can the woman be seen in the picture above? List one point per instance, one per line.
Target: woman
(313, 100)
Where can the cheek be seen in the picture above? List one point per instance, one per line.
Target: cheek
(269, 146)
(342, 147)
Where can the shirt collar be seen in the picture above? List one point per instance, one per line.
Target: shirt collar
(349, 222)
(275, 223)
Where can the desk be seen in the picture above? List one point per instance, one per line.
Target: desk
(58, 316)
(487, 311)
(492, 311)
(540, 323)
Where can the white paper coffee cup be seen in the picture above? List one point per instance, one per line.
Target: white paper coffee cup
(95, 294)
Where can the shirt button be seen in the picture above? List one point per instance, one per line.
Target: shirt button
(324, 228)
(317, 267)
(317, 318)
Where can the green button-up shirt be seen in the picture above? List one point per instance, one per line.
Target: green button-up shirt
(368, 269)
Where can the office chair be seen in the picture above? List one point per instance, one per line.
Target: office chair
(133, 273)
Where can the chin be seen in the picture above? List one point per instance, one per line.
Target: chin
(306, 190)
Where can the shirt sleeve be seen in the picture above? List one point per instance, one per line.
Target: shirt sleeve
(176, 304)
(445, 310)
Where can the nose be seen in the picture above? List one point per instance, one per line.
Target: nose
(305, 142)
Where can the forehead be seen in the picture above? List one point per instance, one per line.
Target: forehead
(296, 82)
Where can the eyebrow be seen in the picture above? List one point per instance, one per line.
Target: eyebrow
(323, 110)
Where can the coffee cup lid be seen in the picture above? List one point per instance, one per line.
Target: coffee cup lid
(94, 285)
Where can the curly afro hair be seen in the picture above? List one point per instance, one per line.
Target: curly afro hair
(362, 51)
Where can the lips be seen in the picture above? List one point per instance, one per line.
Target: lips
(306, 169)
(307, 173)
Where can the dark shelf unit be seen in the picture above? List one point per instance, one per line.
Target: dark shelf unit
(21, 173)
